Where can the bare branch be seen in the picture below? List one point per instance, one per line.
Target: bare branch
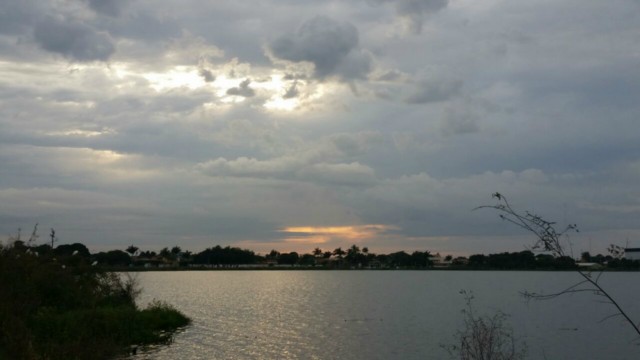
(548, 239)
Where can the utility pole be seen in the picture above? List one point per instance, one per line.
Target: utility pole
(53, 237)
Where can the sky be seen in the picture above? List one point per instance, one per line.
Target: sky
(292, 125)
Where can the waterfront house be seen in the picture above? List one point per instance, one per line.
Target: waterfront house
(632, 253)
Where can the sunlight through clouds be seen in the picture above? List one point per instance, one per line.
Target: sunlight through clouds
(323, 234)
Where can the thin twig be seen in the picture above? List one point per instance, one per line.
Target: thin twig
(549, 240)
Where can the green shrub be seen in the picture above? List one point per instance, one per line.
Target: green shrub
(63, 308)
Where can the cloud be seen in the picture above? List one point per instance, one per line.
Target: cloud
(250, 167)
(352, 174)
(108, 7)
(18, 16)
(413, 11)
(74, 40)
(324, 162)
(435, 90)
(292, 91)
(331, 46)
(207, 75)
(460, 118)
(242, 90)
(291, 168)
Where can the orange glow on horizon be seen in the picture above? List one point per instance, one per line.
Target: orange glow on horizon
(322, 234)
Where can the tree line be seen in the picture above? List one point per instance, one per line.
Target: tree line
(353, 257)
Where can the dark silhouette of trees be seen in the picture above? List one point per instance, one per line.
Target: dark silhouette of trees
(75, 249)
(165, 253)
(354, 257)
(56, 306)
(399, 259)
(307, 260)
(288, 258)
(132, 250)
(113, 258)
(339, 253)
(175, 251)
(224, 257)
(420, 259)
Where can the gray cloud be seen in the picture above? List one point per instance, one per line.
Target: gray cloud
(435, 90)
(17, 17)
(331, 46)
(413, 11)
(207, 75)
(292, 91)
(242, 90)
(108, 7)
(73, 40)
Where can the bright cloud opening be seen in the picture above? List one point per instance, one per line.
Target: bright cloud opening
(323, 234)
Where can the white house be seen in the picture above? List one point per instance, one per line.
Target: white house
(632, 253)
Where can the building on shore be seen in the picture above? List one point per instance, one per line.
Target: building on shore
(632, 253)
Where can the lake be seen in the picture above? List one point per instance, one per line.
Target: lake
(384, 314)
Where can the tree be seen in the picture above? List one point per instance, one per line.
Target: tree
(307, 260)
(353, 255)
(549, 240)
(339, 253)
(76, 249)
(317, 252)
(288, 258)
(113, 258)
(273, 255)
(132, 250)
(420, 259)
(165, 253)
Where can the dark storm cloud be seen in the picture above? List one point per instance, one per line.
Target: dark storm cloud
(73, 40)
(331, 46)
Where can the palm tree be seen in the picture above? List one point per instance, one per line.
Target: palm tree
(317, 252)
(338, 252)
(352, 254)
(132, 250)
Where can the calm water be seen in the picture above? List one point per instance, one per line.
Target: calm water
(382, 314)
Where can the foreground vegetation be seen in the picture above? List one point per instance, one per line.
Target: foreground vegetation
(56, 305)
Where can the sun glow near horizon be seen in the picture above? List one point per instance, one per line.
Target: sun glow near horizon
(324, 234)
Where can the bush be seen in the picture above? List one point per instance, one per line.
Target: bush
(64, 308)
(485, 337)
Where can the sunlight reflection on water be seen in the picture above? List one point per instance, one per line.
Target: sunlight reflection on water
(377, 314)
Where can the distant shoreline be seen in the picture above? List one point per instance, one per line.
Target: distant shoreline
(168, 269)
